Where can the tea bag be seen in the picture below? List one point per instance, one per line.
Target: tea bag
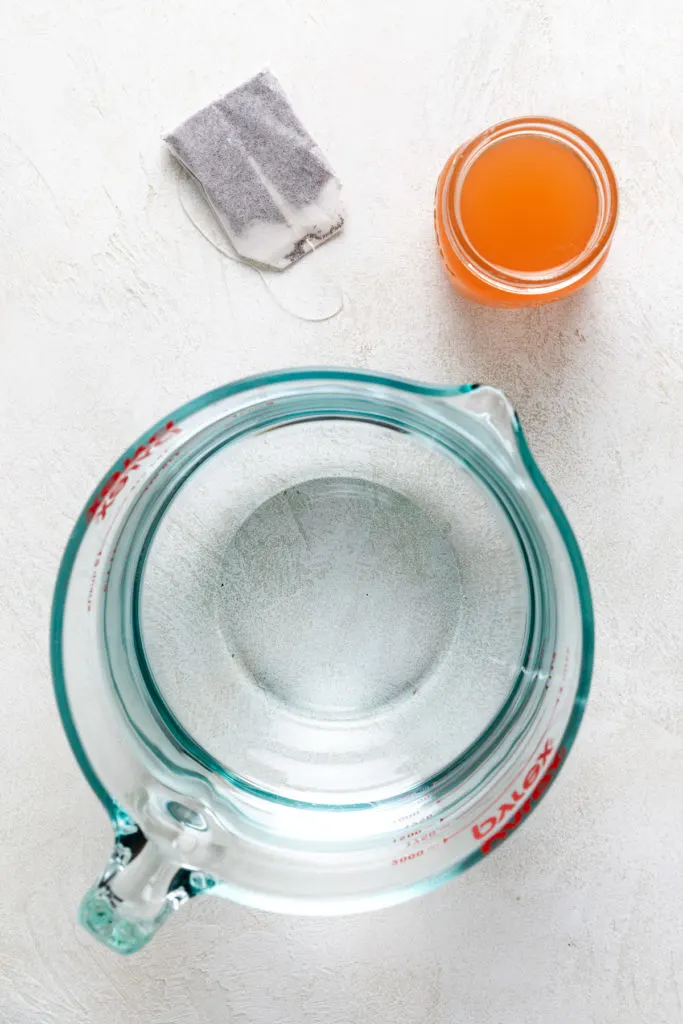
(267, 182)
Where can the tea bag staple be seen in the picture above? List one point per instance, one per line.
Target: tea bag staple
(269, 185)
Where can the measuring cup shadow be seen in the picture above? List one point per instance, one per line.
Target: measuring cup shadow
(518, 350)
(437, 944)
(410, 956)
(542, 358)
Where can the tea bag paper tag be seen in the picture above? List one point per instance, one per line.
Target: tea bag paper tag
(305, 291)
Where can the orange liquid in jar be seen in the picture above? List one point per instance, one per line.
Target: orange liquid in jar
(529, 204)
(523, 214)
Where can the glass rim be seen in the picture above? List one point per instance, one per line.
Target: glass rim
(554, 278)
(502, 723)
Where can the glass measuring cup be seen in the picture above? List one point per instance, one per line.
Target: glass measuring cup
(321, 640)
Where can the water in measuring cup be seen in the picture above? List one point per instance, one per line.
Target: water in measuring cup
(340, 596)
(341, 638)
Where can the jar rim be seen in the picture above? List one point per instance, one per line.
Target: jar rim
(554, 278)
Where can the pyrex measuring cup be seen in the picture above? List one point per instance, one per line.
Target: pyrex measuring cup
(321, 640)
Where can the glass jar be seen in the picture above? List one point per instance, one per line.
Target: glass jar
(525, 212)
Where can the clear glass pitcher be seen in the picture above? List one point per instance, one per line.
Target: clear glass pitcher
(321, 640)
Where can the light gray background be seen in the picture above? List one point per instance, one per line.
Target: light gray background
(113, 311)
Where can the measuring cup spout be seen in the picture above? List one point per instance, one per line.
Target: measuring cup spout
(487, 416)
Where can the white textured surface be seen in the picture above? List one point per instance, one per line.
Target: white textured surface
(113, 311)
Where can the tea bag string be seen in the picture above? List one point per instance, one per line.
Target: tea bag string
(234, 257)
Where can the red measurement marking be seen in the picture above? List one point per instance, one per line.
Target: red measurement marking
(118, 480)
(408, 856)
(413, 817)
(422, 839)
(565, 667)
(98, 558)
(109, 567)
(93, 579)
(408, 835)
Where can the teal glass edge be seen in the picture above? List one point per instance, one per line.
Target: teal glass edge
(285, 377)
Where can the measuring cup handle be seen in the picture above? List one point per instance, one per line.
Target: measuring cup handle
(138, 890)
